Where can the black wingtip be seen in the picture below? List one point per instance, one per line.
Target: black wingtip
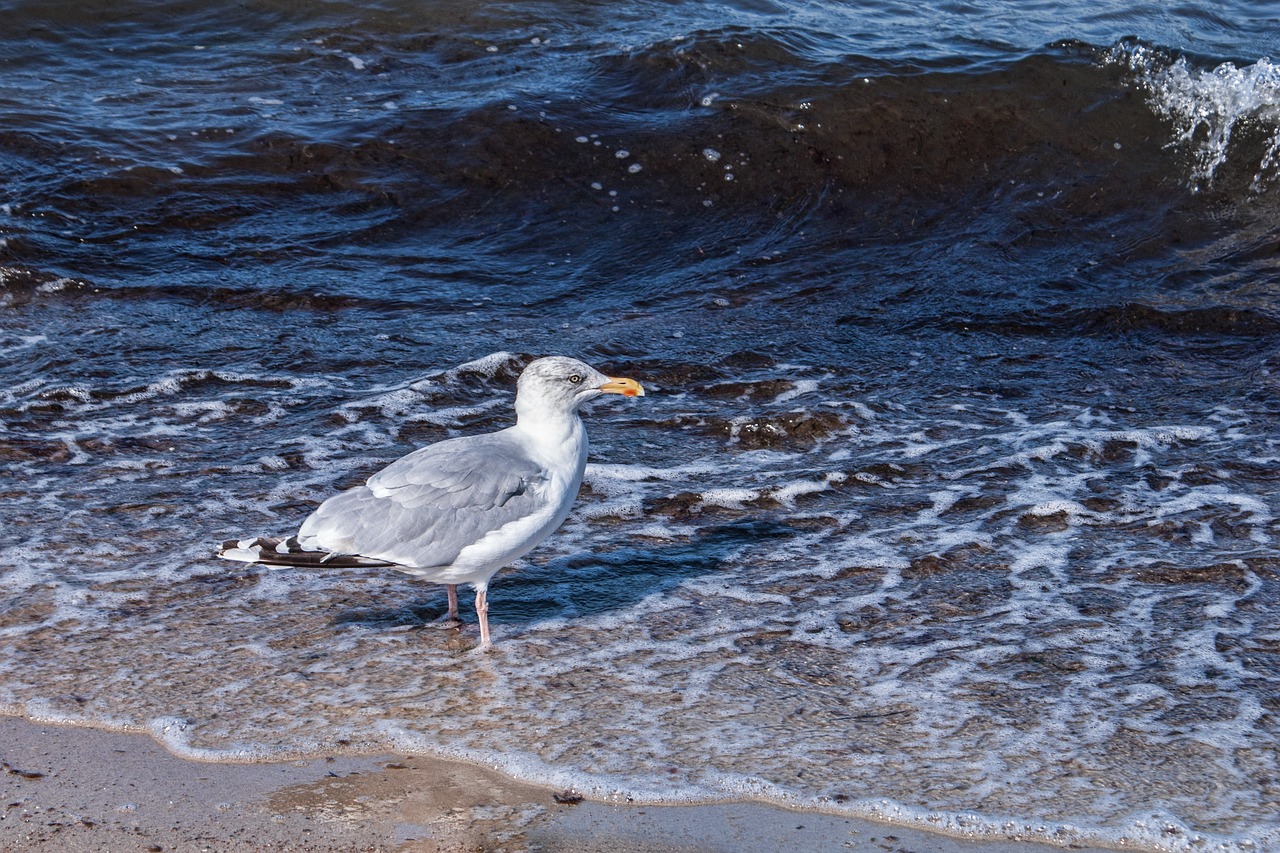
(272, 551)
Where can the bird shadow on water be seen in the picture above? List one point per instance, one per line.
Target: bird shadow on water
(583, 584)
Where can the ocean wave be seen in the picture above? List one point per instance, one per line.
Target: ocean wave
(1211, 322)
(1213, 111)
(853, 143)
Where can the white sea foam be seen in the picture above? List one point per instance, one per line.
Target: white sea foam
(1208, 107)
(21, 342)
(798, 389)
(1008, 598)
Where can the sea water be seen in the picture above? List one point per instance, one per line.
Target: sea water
(950, 503)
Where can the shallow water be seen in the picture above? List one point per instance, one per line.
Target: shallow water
(952, 499)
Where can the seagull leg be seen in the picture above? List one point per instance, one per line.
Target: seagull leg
(453, 601)
(482, 611)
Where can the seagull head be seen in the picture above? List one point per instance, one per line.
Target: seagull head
(563, 384)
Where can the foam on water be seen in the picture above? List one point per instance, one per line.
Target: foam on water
(938, 616)
(1209, 107)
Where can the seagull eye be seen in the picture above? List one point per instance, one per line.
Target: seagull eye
(575, 379)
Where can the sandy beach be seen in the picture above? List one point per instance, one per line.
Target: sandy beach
(76, 789)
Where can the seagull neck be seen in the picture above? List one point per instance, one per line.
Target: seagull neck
(556, 427)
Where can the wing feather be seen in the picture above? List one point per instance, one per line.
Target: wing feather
(424, 508)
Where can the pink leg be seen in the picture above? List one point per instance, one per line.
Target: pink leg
(453, 601)
(482, 611)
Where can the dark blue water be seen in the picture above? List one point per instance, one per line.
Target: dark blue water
(951, 502)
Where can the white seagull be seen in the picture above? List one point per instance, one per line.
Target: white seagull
(457, 511)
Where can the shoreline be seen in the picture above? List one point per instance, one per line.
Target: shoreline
(69, 788)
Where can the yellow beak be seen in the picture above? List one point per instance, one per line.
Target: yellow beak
(625, 387)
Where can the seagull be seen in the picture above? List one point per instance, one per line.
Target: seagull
(456, 511)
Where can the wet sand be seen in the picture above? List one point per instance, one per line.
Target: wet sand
(76, 789)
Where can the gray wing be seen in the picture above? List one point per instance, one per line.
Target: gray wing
(424, 508)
